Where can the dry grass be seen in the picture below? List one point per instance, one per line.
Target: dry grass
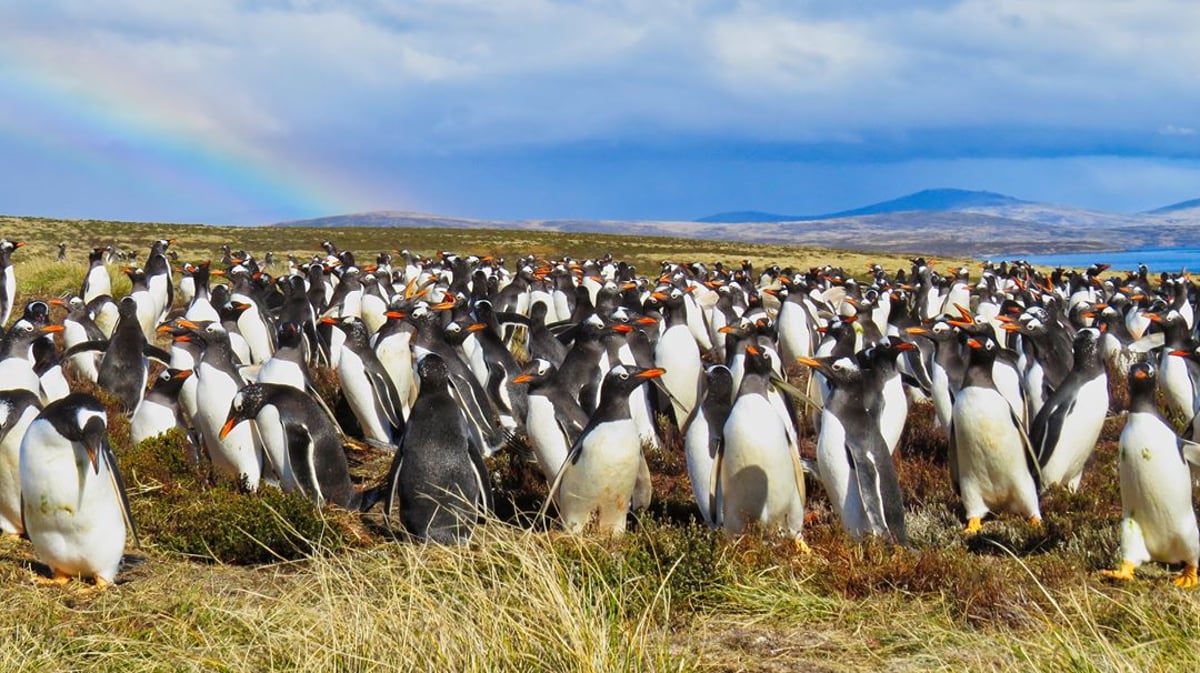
(669, 596)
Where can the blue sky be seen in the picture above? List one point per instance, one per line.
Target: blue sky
(246, 112)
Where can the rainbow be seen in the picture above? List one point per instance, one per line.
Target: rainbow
(122, 134)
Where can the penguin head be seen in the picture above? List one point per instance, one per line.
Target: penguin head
(622, 379)
(758, 360)
(432, 370)
(79, 417)
(536, 371)
(838, 370)
(718, 383)
(245, 405)
(170, 380)
(1143, 379)
(1087, 348)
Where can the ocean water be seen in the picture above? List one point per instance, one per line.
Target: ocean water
(1156, 259)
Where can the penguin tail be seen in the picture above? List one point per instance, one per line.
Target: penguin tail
(372, 496)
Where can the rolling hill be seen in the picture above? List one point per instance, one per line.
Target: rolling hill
(933, 221)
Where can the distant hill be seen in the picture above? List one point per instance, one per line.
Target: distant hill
(1174, 208)
(934, 221)
(936, 200)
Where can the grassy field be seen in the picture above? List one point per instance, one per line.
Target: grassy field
(227, 582)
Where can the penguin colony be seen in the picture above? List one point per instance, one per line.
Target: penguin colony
(445, 360)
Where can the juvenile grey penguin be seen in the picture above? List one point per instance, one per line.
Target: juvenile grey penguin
(992, 466)
(124, 368)
(438, 472)
(298, 435)
(601, 472)
(18, 408)
(1064, 432)
(75, 507)
(1157, 519)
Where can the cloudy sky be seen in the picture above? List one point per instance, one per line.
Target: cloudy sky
(256, 111)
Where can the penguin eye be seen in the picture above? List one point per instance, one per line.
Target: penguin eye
(838, 366)
(623, 376)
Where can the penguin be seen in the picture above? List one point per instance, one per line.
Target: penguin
(78, 327)
(758, 473)
(554, 419)
(678, 354)
(1157, 519)
(145, 303)
(124, 367)
(1065, 431)
(601, 471)
(18, 408)
(366, 385)
(393, 346)
(158, 279)
(159, 411)
(438, 473)
(8, 279)
(704, 433)
(992, 465)
(287, 366)
(74, 503)
(16, 362)
(97, 281)
(303, 443)
(235, 454)
(854, 461)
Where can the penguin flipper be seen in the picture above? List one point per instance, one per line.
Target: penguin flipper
(952, 460)
(794, 392)
(1031, 458)
(119, 488)
(475, 451)
(879, 485)
(643, 489)
(1190, 451)
(85, 347)
(1047, 428)
(156, 353)
(714, 484)
(388, 398)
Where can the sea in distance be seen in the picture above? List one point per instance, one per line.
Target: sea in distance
(1171, 260)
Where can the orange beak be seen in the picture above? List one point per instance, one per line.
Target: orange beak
(227, 428)
(522, 378)
(652, 373)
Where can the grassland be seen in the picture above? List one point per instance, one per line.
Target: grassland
(332, 591)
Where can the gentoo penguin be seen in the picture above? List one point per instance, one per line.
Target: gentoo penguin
(18, 408)
(992, 465)
(46, 364)
(158, 278)
(159, 410)
(297, 434)
(287, 365)
(853, 458)
(78, 327)
(601, 471)
(74, 503)
(554, 420)
(703, 435)
(677, 353)
(8, 279)
(235, 454)
(393, 346)
(146, 305)
(1065, 431)
(366, 385)
(1157, 519)
(97, 282)
(16, 362)
(758, 472)
(438, 473)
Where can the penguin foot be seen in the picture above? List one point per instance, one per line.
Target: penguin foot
(1036, 522)
(1187, 579)
(803, 548)
(974, 525)
(1124, 573)
(59, 580)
